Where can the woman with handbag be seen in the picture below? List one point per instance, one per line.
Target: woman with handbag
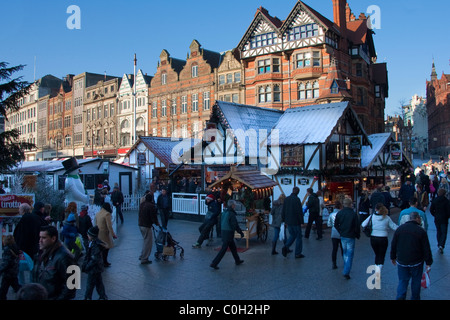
(381, 223)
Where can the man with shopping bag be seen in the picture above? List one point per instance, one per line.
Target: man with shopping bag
(410, 249)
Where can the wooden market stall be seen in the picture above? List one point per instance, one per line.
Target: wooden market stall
(252, 190)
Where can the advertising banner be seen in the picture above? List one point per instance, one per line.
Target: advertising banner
(9, 203)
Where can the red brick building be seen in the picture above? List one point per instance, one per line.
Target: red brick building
(182, 93)
(438, 109)
(307, 59)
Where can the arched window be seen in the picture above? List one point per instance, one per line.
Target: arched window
(125, 124)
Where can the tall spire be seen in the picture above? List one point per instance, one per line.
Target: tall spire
(433, 72)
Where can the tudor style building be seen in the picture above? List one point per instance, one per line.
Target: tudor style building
(307, 59)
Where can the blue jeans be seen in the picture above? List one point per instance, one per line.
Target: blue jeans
(348, 247)
(295, 234)
(404, 275)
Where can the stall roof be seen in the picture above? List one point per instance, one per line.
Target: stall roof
(163, 147)
(254, 179)
(379, 142)
(54, 165)
(237, 116)
(314, 124)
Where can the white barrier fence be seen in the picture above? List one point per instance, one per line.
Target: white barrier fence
(187, 203)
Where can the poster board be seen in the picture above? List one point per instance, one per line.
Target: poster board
(9, 204)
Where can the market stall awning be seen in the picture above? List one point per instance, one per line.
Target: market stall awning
(253, 179)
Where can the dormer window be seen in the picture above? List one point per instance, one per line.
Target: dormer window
(164, 78)
(263, 40)
(334, 88)
(303, 32)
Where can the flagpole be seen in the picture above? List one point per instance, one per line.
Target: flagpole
(134, 109)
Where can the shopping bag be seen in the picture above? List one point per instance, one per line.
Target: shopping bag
(25, 262)
(425, 283)
(282, 232)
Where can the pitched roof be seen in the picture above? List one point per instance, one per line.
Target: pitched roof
(368, 154)
(163, 148)
(251, 178)
(312, 124)
(237, 116)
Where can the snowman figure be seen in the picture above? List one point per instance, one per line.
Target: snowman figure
(74, 187)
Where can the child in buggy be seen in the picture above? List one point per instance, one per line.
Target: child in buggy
(166, 246)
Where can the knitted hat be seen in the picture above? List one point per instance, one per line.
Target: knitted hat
(84, 207)
(93, 232)
(210, 197)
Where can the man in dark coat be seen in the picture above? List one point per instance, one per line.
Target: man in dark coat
(26, 233)
(117, 200)
(292, 216)
(50, 266)
(211, 219)
(405, 194)
(313, 206)
(410, 249)
(229, 227)
(376, 198)
(440, 210)
(147, 218)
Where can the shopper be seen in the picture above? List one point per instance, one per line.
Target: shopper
(347, 224)
(163, 206)
(93, 266)
(147, 218)
(381, 223)
(292, 216)
(9, 267)
(277, 218)
(335, 236)
(50, 266)
(106, 232)
(410, 249)
(211, 219)
(313, 207)
(440, 210)
(229, 227)
(117, 200)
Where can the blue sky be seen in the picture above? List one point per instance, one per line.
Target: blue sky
(411, 34)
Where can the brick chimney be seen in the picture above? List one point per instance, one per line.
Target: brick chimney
(340, 13)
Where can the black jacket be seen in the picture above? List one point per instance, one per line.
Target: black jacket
(292, 213)
(410, 245)
(50, 270)
(313, 205)
(347, 223)
(26, 233)
(93, 262)
(440, 209)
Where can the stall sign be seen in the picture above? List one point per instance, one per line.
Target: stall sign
(141, 160)
(355, 147)
(10, 203)
(286, 181)
(303, 181)
(396, 151)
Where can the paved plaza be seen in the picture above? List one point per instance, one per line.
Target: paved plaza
(261, 276)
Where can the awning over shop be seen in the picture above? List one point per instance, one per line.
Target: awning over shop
(253, 179)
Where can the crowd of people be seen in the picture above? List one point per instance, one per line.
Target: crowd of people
(37, 255)
(53, 250)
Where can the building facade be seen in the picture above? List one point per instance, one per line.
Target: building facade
(126, 111)
(100, 125)
(31, 117)
(438, 109)
(415, 114)
(181, 92)
(307, 59)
